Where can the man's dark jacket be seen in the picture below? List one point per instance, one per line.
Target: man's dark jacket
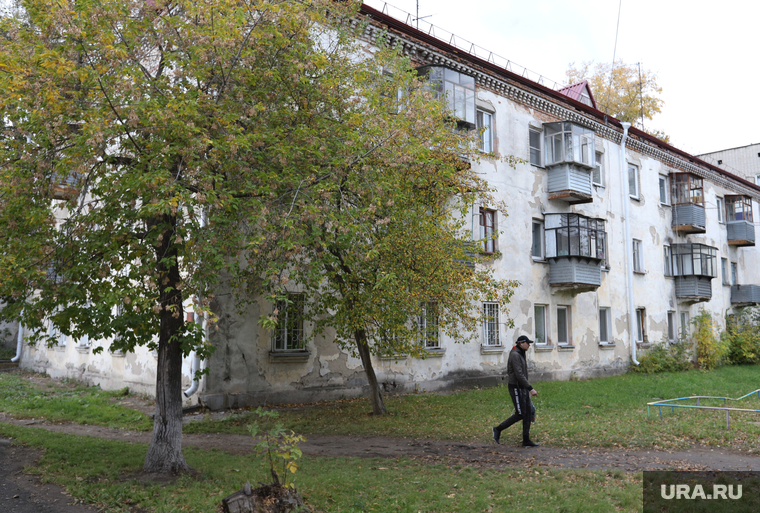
(517, 369)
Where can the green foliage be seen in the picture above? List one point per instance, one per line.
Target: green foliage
(279, 448)
(743, 337)
(711, 349)
(664, 357)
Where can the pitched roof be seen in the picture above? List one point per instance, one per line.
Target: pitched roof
(576, 91)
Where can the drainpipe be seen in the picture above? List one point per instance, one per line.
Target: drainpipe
(196, 365)
(628, 244)
(19, 343)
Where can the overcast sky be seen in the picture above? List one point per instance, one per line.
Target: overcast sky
(703, 53)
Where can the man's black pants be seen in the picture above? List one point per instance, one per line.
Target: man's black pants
(521, 400)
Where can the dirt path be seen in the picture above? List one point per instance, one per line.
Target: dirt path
(487, 455)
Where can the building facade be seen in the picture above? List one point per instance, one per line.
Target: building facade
(617, 240)
(743, 161)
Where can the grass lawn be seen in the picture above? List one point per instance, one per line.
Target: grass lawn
(98, 472)
(604, 412)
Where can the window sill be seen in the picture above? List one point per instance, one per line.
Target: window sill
(538, 260)
(642, 273)
(543, 349)
(117, 354)
(436, 352)
(83, 349)
(565, 348)
(598, 186)
(643, 345)
(289, 356)
(635, 198)
(607, 345)
(393, 357)
(491, 349)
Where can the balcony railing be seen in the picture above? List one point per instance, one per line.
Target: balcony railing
(745, 295)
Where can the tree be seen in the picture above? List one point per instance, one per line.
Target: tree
(154, 152)
(623, 91)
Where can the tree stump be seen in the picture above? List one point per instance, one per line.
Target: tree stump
(264, 499)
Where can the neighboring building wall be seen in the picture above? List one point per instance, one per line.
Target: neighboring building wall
(743, 161)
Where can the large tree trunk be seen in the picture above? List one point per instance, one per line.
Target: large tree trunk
(378, 406)
(165, 451)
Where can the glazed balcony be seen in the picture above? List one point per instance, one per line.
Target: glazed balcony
(576, 250)
(694, 266)
(688, 204)
(739, 226)
(570, 161)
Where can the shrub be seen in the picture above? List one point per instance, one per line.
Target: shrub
(743, 337)
(665, 357)
(711, 349)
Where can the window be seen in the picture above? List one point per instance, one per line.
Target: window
(569, 143)
(687, 189)
(733, 274)
(684, 324)
(638, 260)
(641, 319)
(488, 232)
(597, 176)
(605, 323)
(540, 314)
(575, 235)
(671, 327)
(563, 325)
(719, 206)
(288, 335)
(633, 181)
(757, 179)
(457, 88)
(534, 142)
(724, 271)
(738, 208)
(485, 128)
(664, 190)
(667, 260)
(694, 260)
(537, 248)
(427, 323)
(491, 324)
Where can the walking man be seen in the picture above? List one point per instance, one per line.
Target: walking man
(520, 391)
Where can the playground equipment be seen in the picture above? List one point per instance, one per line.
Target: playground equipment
(669, 403)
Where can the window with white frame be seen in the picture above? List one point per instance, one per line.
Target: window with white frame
(633, 181)
(289, 335)
(534, 143)
(734, 278)
(56, 334)
(597, 176)
(491, 324)
(664, 189)
(667, 261)
(539, 312)
(757, 179)
(724, 271)
(605, 325)
(537, 247)
(563, 325)
(427, 322)
(488, 230)
(485, 130)
(641, 325)
(719, 205)
(638, 258)
(671, 326)
(684, 324)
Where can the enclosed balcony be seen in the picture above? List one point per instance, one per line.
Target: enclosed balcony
(694, 266)
(65, 187)
(741, 231)
(457, 89)
(570, 160)
(576, 248)
(688, 204)
(745, 295)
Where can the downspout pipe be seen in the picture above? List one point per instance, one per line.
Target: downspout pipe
(628, 243)
(196, 364)
(19, 343)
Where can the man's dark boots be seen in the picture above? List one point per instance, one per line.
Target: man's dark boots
(528, 443)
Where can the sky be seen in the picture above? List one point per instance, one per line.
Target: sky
(703, 55)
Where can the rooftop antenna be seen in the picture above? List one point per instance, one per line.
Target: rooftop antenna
(641, 97)
(417, 19)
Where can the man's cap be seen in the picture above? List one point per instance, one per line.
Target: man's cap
(523, 338)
